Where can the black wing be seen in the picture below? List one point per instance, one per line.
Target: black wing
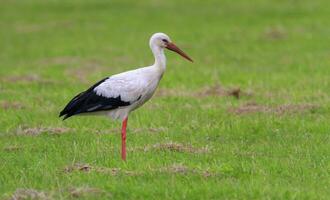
(88, 101)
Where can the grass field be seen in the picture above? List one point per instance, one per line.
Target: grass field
(195, 139)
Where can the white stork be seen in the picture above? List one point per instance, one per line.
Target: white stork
(116, 96)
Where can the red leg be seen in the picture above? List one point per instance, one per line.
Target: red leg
(123, 139)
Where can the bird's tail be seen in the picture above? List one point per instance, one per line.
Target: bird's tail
(72, 108)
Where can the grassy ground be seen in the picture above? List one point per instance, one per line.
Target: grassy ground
(195, 139)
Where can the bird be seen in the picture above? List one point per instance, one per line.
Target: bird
(118, 95)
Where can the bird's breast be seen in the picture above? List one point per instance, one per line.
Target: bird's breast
(146, 94)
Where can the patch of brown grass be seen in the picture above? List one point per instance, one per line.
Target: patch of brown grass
(172, 169)
(275, 33)
(182, 169)
(176, 168)
(78, 167)
(281, 109)
(25, 194)
(81, 192)
(217, 90)
(6, 105)
(39, 130)
(12, 148)
(176, 147)
(116, 171)
(88, 168)
(207, 173)
(248, 108)
(291, 108)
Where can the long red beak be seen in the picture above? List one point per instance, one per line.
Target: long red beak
(171, 46)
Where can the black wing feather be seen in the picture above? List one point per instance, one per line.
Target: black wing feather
(88, 101)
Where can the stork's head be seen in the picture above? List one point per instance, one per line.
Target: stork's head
(163, 41)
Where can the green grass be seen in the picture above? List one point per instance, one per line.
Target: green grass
(276, 50)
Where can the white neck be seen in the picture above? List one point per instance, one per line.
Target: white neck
(160, 59)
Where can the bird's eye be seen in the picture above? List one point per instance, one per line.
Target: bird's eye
(164, 40)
